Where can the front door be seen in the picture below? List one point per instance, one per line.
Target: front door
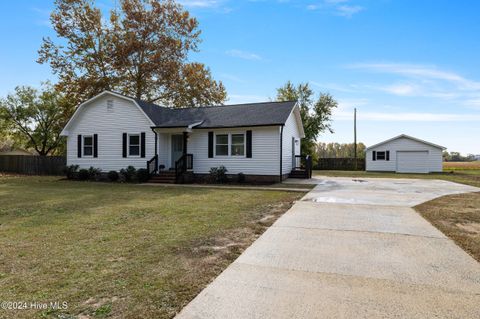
(177, 148)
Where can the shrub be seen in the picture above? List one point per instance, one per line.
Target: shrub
(218, 174)
(83, 174)
(94, 173)
(241, 178)
(143, 175)
(128, 174)
(112, 176)
(70, 171)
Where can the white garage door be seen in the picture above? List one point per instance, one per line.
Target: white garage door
(412, 162)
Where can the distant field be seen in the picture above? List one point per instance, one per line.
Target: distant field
(448, 166)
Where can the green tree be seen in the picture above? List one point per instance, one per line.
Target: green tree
(316, 113)
(34, 119)
(140, 50)
(339, 150)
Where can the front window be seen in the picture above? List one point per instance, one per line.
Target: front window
(221, 145)
(230, 144)
(238, 145)
(134, 145)
(87, 146)
(381, 156)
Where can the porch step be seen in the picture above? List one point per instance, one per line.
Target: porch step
(163, 177)
(298, 173)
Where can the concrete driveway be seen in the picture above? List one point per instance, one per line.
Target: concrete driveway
(351, 248)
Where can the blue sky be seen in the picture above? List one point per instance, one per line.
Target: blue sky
(409, 67)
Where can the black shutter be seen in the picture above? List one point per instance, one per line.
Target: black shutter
(374, 156)
(124, 152)
(79, 146)
(387, 155)
(210, 144)
(249, 144)
(142, 144)
(95, 145)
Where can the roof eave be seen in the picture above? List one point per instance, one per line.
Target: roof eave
(406, 136)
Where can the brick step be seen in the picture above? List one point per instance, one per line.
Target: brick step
(165, 173)
(163, 177)
(298, 174)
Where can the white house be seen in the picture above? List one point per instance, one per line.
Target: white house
(112, 131)
(404, 154)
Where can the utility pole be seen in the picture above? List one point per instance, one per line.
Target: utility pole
(355, 136)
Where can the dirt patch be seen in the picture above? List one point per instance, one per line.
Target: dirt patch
(208, 258)
(458, 217)
(473, 228)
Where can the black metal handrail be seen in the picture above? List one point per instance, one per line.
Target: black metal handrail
(304, 162)
(152, 165)
(184, 163)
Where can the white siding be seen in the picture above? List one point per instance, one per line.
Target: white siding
(290, 130)
(265, 152)
(94, 118)
(432, 164)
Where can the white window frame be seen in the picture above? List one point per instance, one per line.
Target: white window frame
(83, 145)
(384, 156)
(229, 144)
(139, 144)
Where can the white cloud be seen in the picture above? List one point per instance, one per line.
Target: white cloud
(337, 7)
(335, 1)
(348, 11)
(418, 71)
(243, 55)
(472, 103)
(401, 89)
(43, 17)
(232, 78)
(200, 3)
(417, 80)
(407, 117)
(347, 105)
(335, 87)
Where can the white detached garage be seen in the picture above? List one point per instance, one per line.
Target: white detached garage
(404, 154)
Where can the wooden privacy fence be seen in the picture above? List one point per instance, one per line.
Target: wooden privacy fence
(32, 165)
(346, 164)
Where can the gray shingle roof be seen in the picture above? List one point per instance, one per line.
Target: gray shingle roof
(253, 114)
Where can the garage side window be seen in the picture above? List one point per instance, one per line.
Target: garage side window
(382, 155)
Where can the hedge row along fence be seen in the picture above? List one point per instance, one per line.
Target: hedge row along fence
(346, 164)
(32, 165)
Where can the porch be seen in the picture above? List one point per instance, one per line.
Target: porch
(174, 162)
(178, 150)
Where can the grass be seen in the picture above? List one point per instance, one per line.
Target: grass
(118, 250)
(468, 177)
(458, 217)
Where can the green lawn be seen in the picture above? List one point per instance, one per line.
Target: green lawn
(469, 177)
(118, 250)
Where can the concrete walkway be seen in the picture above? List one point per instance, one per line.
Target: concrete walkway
(350, 248)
